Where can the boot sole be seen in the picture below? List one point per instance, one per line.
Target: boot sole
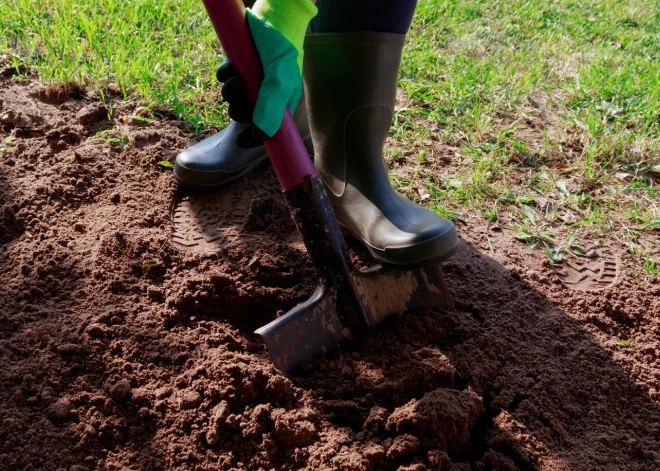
(211, 186)
(378, 253)
(240, 173)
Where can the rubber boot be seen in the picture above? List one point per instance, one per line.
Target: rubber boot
(218, 159)
(350, 86)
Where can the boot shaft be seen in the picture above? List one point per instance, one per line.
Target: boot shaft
(350, 86)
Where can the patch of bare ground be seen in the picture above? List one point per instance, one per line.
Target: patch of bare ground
(123, 348)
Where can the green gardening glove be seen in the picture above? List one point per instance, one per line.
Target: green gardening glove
(278, 28)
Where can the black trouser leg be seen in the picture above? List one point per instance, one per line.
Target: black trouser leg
(348, 16)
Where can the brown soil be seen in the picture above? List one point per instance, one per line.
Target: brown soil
(127, 307)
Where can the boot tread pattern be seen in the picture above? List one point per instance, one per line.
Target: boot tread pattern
(208, 222)
(590, 274)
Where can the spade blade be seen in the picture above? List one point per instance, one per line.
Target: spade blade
(305, 332)
(317, 326)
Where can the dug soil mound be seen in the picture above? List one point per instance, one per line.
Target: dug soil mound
(127, 308)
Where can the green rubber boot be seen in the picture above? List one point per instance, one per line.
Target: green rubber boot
(218, 160)
(350, 87)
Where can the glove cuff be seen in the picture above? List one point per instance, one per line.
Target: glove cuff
(289, 17)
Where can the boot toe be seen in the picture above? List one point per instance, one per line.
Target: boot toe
(422, 238)
(433, 241)
(216, 160)
(197, 158)
(201, 164)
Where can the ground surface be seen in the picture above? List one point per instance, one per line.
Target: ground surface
(127, 308)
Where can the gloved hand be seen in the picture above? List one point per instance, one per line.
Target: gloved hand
(278, 29)
(240, 109)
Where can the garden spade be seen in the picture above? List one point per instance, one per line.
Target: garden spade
(348, 303)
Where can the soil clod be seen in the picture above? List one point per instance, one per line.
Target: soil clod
(190, 400)
(92, 113)
(121, 390)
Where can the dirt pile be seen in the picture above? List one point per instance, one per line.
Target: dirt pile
(127, 308)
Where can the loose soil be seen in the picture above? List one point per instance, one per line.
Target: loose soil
(127, 308)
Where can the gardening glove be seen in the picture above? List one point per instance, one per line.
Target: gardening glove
(278, 29)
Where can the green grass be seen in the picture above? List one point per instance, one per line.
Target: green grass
(539, 116)
(164, 52)
(624, 343)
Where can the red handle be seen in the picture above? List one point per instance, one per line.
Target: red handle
(285, 149)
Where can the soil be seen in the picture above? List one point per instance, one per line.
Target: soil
(127, 309)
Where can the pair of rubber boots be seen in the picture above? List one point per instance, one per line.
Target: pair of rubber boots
(350, 92)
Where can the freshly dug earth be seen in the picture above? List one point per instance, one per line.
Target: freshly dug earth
(127, 309)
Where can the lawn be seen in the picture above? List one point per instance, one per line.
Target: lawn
(540, 117)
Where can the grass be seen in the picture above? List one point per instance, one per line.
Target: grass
(163, 52)
(624, 343)
(539, 116)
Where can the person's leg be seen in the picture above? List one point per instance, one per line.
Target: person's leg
(351, 69)
(348, 16)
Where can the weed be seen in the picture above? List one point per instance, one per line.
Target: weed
(112, 136)
(654, 224)
(166, 165)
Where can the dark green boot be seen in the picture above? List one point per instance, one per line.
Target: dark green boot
(350, 87)
(218, 159)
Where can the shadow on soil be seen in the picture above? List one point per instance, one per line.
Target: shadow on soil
(553, 398)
